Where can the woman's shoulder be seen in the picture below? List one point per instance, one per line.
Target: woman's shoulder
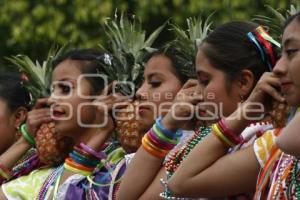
(264, 145)
(29, 185)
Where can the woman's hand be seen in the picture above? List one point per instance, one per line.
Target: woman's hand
(184, 106)
(264, 92)
(105, 104)
(38, 116)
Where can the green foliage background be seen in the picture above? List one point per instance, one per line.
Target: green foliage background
(31, 26)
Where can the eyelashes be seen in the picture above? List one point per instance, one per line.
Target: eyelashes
(290, 52)
(155, 83)
(62, 87)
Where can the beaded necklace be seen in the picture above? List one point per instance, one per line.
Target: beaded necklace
(52, 178)
(178, 156)
(285, 184)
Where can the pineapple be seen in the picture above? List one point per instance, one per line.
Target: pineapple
(279, 114)
(188, 41)
(51, 147)
(128, 47)
(276, 21)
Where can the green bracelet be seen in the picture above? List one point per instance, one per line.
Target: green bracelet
(163, 137)
(27, 137)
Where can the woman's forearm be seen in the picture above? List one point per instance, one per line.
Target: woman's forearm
(14, 153)
(139, 175)
(289, 139)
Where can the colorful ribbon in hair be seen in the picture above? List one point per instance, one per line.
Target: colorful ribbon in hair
(266, 46)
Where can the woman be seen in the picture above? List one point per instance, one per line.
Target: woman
(16, 153)
(65, 72)
(278, 172)
(163, 78)
(228, 66)
(69, 105)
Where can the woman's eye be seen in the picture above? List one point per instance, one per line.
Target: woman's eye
(155, 83)
(204, 82)
(290, 52)
(65, 89)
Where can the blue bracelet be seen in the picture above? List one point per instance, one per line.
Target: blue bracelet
(167, 132)
(88, 163)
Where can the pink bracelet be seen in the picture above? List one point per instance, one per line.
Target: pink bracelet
(100, 155)
(157, 142)
(228, 133)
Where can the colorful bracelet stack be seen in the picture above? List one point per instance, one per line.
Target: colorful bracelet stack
(26, 135)
(5, 173)
(159, 141)
(83, 160)
(223, 133)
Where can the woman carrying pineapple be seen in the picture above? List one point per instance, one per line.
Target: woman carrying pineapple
(228, 66)
(274, 157)
(162, 77)
(70, 104)
(14, 106)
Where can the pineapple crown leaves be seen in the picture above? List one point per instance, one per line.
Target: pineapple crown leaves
(39, 74)
(129, 47)
(277, 19)
(187, 41)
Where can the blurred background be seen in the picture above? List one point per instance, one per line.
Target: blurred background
(31, 26)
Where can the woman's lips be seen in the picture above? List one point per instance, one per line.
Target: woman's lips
(285, 86)
(57, 114)
(142, 109)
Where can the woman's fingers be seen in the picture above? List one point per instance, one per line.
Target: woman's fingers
(273, 93)
(41, 103)
(190, 83)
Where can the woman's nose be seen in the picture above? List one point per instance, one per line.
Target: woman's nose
(280, 68)
(141, 93)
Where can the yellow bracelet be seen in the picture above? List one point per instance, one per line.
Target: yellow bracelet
(76, 171)
(216, 131)
(4, 175)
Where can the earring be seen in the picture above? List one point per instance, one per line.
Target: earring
(242, 98)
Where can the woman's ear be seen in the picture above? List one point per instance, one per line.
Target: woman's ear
(20, 116)
(246, 82)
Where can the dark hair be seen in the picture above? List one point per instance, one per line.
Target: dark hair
(291, 18)
(12, 91)
(91, 61)
(229, 49)
(184, 69)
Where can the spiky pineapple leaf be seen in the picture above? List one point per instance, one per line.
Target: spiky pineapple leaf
(276, 19)
(39, 75)
(129, 46)
(189, 40)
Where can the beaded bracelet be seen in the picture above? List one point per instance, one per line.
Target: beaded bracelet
(216, 131)
(100, 155)
(27, 137)
(228, 133)
(76, 171)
